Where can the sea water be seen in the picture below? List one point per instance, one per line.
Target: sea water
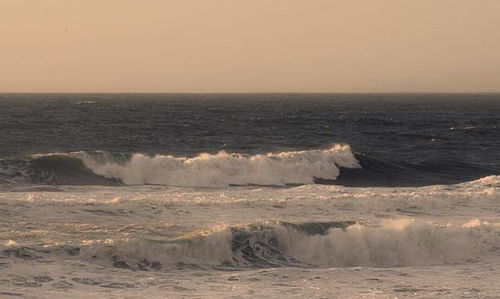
(249, 195)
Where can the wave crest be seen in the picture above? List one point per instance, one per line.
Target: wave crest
(222, 169)
(336, 165)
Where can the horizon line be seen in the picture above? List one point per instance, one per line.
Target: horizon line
(250, 92)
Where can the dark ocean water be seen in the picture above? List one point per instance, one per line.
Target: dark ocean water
(399, 139)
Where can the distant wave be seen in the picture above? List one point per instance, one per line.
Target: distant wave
(397, 242)
(334, 165)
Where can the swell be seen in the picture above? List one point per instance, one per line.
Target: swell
(375, 172)
(397, 242)
(52, 169)
(335, 165)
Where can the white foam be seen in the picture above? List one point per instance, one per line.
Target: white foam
(222, 169)
(214, 249)
(399, 242)
(395, 243)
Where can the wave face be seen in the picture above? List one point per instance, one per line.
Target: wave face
(336, 165)
(399, 242)
(375, 172)
(58, 169)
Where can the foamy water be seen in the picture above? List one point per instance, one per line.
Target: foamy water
(158, 241)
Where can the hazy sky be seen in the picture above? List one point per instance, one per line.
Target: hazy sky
(249, 45)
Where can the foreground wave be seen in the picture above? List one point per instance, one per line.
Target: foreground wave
(315, 244)
(335, 165)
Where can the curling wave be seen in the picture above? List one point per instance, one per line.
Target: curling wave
(223, 169)
(335, 165)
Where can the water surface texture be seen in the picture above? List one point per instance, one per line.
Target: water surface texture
(249, 195)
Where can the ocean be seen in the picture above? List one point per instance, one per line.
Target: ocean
(249, 195)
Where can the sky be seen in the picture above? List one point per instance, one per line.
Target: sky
(250, 46)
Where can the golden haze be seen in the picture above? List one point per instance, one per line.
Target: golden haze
(249, 45)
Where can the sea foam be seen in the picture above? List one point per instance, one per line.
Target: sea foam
(398, 242)
(222, 169)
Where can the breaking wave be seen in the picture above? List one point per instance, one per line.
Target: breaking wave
(314, 244)
(222, 169)
(335, 165)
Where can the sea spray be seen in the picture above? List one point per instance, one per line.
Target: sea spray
(222, 169)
